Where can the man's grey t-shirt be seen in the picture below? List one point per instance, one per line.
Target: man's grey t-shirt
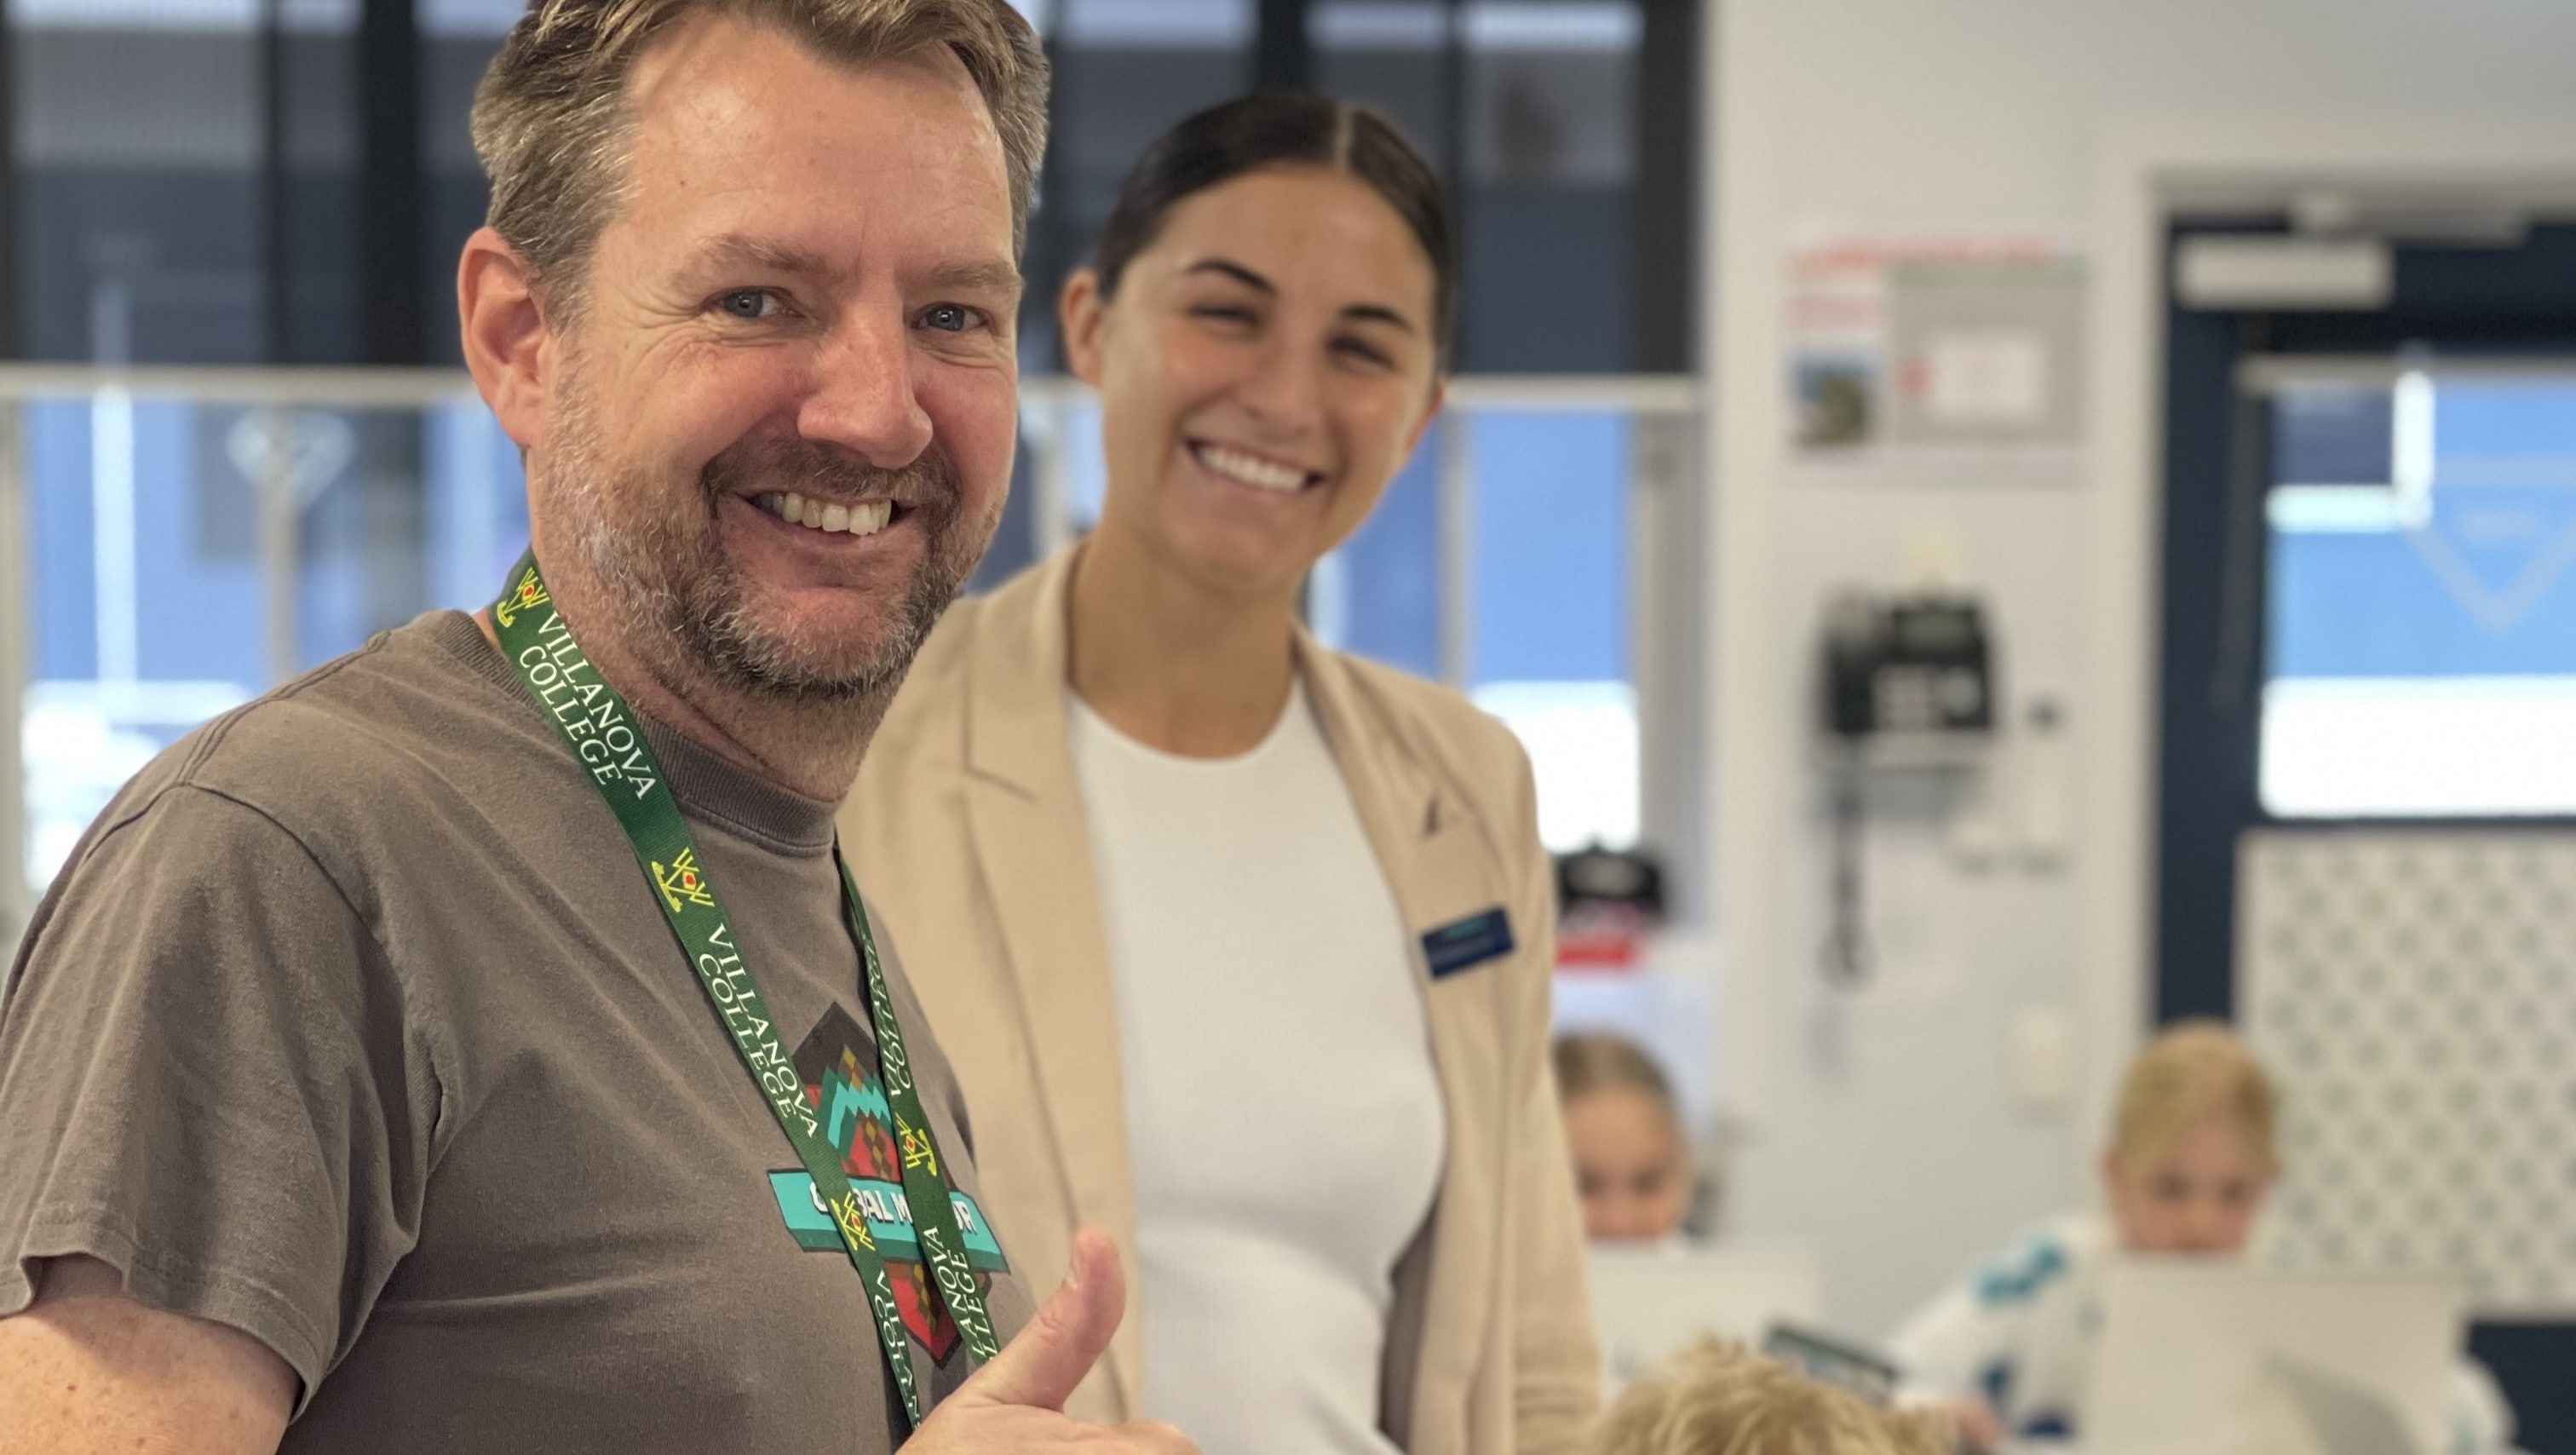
(354, 1024)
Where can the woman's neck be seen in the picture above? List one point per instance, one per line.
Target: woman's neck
(1171, 663)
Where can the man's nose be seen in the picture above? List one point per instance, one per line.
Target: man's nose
(862, 397)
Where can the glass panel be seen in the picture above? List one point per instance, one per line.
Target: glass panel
(1379, 595)
(458, 39)
(1551, 523)
(138, 132)
(2422, 653)
(1125, 71)
(150, 563)
(2333, 435)
(1551, 628)
(425, 510)
(144, 169)
(1087, 469)
(1392, 55)
(1551, 159)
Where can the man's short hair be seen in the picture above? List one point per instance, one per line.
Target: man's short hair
(550, 119)
(1720, 1398)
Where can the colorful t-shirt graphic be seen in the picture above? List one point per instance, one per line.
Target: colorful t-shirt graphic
(837, 1064)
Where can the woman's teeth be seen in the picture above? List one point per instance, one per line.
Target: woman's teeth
(863, 519)
(1248, 469)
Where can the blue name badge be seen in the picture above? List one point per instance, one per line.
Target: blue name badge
(1468, 942)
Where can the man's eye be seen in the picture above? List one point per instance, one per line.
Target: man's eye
(748, 303)
(949, 318)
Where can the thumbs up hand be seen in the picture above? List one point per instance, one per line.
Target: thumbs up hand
(1015, 1403)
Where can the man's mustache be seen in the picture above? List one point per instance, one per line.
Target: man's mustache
(928, 483)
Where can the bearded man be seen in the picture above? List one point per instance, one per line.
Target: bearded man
(477, 1043)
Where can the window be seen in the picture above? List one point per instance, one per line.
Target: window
(1125, 72)
(1550, 618)
(140, 133)
(195, 183)
(1538, 115)
(2422, 584)
(184, 556)
(1554, 122)
(243, 181)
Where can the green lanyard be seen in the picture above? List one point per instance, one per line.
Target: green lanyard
(602, 732)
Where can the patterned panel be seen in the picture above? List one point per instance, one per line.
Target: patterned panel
(2415, 993)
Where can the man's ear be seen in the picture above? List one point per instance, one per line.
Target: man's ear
(507, 339)
(1082, 313)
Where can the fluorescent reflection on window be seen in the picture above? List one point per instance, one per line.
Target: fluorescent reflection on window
(217, 16)
(2421, 651)
(2397, 747)
(1582, 742)
(1157, 24)
(82, 740)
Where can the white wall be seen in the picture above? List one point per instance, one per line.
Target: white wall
(1886, 1135)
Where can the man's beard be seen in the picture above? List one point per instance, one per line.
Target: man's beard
(665, 572)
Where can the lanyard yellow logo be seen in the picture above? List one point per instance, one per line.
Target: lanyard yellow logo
(918, 1150)
(530, 595)
(681, 884)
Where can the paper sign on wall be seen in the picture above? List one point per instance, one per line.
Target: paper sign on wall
(1935, 344)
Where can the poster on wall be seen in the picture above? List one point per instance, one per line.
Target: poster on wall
(1955, 349)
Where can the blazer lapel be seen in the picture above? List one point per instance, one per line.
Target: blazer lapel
(1024, 812)
(1438, 858)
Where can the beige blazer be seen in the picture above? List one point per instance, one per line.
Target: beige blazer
(966, 829)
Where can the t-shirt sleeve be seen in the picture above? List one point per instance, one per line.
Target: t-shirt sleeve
(210, 1079)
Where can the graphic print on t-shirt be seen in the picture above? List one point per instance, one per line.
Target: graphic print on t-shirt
(838, 1065)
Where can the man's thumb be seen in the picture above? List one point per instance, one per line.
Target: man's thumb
(1059, 1346)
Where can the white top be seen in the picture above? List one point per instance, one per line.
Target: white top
(2018, 1332)
(1283, 1113)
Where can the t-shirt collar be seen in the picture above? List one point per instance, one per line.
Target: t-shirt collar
(705, 784)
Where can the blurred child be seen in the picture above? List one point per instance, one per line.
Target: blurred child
(1632, 1163)
(1717, 1398)
(2191, 1159)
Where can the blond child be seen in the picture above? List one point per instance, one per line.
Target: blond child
(2191, 1159)
(1632, 1164)
(1719, 1398)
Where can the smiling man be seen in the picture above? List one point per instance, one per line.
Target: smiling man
(476, 1044)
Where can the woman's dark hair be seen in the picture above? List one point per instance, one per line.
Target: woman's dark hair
(1269, 128)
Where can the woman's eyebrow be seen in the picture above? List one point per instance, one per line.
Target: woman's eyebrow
(1234, 270)
(1361, 312)
(1379, 313)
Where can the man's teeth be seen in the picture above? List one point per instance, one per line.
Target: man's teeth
(863, 519)
(1252, 470)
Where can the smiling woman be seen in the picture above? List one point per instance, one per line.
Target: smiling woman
(1260, 933)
